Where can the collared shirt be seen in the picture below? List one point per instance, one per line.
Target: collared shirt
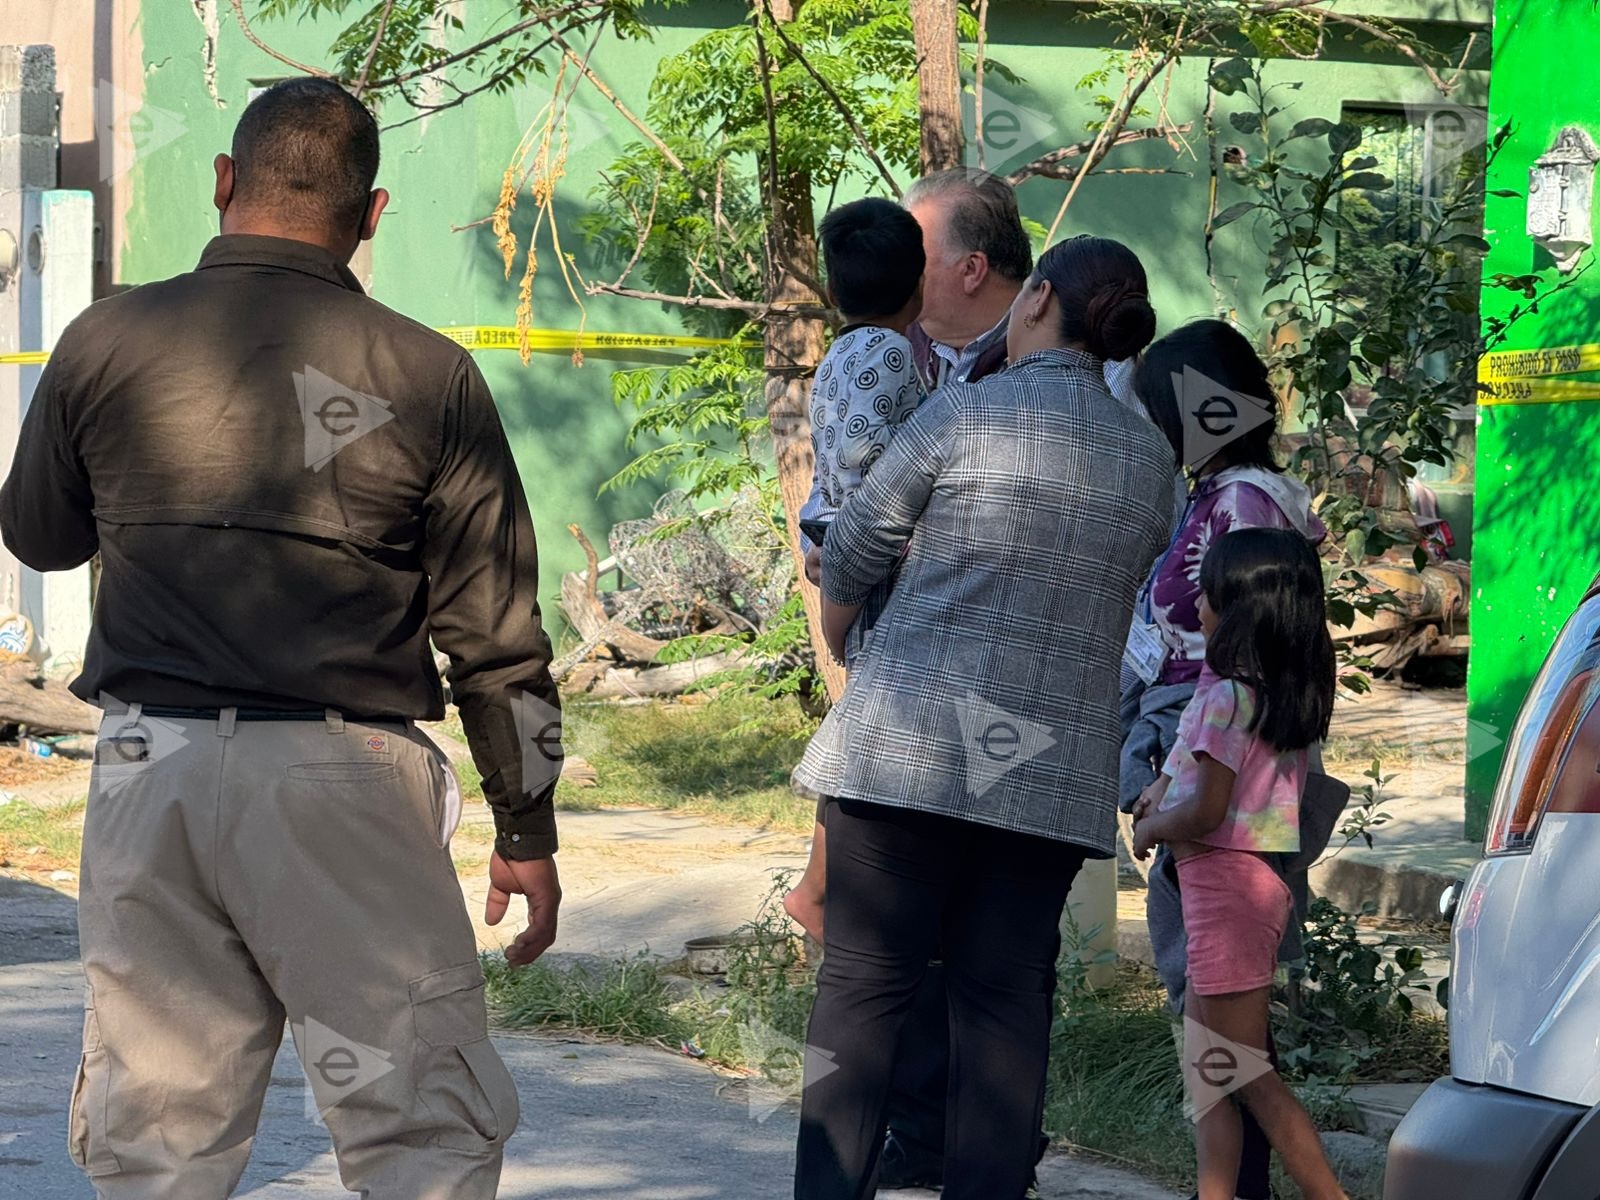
(1021, 513)
(957, 365)
(291, 488)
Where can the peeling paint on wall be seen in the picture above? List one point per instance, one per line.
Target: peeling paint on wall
(206, 13)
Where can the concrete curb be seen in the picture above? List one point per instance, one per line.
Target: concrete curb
(1404, 891)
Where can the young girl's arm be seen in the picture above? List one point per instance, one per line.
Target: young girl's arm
(1193, 818)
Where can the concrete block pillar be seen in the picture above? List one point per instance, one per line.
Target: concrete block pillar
(29, 125)
(46, 279)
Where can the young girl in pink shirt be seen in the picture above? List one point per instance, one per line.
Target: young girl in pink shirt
(1227, 802)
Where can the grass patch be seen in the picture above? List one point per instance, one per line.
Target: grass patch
(725, 759)
(41, 839)
(1115, 1086)
(753, 1021)
(628, 1000)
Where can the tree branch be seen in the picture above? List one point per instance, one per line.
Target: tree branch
(1121, 114)
(1399, 43)
(1048, 165)
(372, 50)
(543, 18)
(760, 310)
(255, 40)
(775, 238)
(828, 90)
(650, 136)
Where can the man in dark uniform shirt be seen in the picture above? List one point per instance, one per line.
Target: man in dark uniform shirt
(291, 489)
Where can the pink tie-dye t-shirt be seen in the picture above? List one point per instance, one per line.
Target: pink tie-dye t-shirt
(1264, 813)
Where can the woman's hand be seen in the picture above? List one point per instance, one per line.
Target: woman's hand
(1144, 836)
(1150, 799)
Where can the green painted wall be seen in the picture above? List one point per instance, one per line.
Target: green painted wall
(446, 171)
(1538, 507)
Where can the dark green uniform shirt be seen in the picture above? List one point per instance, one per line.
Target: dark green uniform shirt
(292, 489)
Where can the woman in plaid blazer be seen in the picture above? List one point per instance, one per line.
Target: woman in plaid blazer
(973, 756)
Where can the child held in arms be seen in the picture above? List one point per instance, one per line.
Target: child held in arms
(865, 388)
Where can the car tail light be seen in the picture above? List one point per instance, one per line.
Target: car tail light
(1551, 763)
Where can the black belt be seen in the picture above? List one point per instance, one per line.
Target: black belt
(173, 713)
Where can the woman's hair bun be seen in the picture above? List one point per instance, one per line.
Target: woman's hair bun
(1119, 321)
(1104, 297)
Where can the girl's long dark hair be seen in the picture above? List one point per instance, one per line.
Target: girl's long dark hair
(1265, 585)
(1221, 353)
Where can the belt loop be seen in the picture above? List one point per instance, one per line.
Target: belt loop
(225, 719)
(134, 711)
(334, 719)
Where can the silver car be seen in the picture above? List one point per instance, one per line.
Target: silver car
(1519, 1116)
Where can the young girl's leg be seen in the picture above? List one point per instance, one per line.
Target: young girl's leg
(1241, 1017)
(1218, 1143)
(804, 901)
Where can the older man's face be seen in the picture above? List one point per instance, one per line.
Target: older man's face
(944, 295)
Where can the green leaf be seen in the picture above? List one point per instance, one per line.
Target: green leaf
(1232, 213)
(1343, 138)
(1470, 241)
(1310, 127)
(1505, 193)
(1369, 180)
(1245, 122)
(1230, 76)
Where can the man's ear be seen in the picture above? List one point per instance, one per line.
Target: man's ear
(974, 270)
(376, 203)
(223, 196)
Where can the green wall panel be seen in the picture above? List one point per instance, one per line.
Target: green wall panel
(1538, 509)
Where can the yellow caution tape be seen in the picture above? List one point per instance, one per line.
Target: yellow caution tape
(506, 337)
(1537, 391)
(1531, 364)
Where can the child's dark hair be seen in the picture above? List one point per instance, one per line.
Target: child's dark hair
(1265, 585)
(872, 249)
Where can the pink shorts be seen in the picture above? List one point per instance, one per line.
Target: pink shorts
(1235, 909)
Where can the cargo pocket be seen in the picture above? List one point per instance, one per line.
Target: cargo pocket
(91, 1093)
(468, 1094)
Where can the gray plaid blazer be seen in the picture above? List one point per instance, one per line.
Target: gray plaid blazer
(1022, 512)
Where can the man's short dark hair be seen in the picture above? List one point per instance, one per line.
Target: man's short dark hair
(873, 253)
(307, 150)
(982, 217)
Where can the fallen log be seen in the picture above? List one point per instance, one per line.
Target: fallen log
(580, 600)
(668, 680)
(43, 705)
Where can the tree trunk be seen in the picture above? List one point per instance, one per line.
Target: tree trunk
(937, 37)
(793, 348)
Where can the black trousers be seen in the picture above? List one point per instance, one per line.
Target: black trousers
(904, 887)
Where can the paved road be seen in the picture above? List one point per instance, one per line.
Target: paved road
(599, 1121)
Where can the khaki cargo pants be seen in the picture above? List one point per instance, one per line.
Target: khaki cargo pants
(240, 873)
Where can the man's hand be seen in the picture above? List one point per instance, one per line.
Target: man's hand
(537, 880)
(814, 566)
